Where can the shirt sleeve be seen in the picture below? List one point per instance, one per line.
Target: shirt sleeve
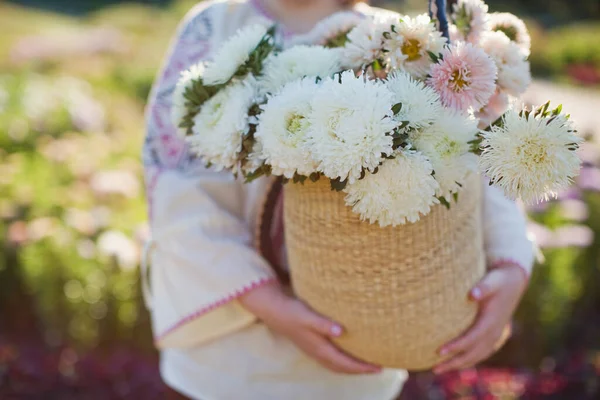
(505, 231)
(201, 257)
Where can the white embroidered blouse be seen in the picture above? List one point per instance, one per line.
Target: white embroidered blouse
(203, 257)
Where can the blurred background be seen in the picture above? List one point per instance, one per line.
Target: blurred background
(74, 77)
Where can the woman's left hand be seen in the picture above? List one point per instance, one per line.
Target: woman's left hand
(498, 295)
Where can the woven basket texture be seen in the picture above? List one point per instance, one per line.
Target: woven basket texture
(399, 292)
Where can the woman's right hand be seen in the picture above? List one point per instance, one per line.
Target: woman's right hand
(308, 330)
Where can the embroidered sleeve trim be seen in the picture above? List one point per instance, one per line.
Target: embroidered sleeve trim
(213, 306)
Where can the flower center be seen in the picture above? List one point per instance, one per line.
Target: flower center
(448, 147)
(333, 123)
(463, 21)
(459, 80)
(216, 112)
(533, 151)
(412, 49)
(296, 124)
(508, 30)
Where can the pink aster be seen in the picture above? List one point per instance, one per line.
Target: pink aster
(465, 77)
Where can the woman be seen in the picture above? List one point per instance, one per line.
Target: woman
(225, 325)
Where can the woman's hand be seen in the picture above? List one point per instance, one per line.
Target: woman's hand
(305, 328)
(498, 294)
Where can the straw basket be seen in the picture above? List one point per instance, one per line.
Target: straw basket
(399, 292)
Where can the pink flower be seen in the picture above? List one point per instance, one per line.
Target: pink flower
(465, 77)
(496, 107)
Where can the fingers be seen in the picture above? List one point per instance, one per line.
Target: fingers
(334, 359)
(465, 360)
(474, 335)
(320, 324)
(488, 286)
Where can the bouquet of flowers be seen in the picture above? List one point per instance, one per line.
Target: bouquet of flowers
(392, 113)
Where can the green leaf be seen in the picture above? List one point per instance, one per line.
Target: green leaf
(396, 108)
(338, 185)
(434, 57)
(444, 202)
(557, 110)
(299, 178)
(264, 170)
(338, 41)
(377, 65)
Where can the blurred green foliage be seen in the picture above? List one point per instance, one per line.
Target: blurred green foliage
(556, 52)
(72, 95)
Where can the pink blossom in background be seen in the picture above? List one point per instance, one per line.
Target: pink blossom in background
(589, 179)
(465, 77)
(574, 210)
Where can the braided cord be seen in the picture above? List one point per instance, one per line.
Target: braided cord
(441, 16)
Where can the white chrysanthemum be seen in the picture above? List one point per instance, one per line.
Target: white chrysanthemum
(349, 123)
(531, 158)
(407, 48)
(329, 29)
(446, 143)
(233, 54)
(365, 43)
(471, 20)
(178, 106)
(221, 123)
(401, 191)
(514, 28)
(421, 105)
(298, 62)
(514, 74)
(282, 129)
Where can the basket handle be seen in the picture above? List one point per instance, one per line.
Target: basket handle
(439, 8)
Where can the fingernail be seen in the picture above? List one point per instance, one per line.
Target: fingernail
(476, 293)
(336, 330)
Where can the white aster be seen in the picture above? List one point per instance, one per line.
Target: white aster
(471, 21)
(531, 158)
(234, 53)
(178, 101)
(446, 144)
(364, 43)
(283, 127)
(330, 29)
(514, 74)
(514, 28)
(221, 123)
(298, 62)
(407, 46)
(349, 123)
(421, 105)
(401, 191)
